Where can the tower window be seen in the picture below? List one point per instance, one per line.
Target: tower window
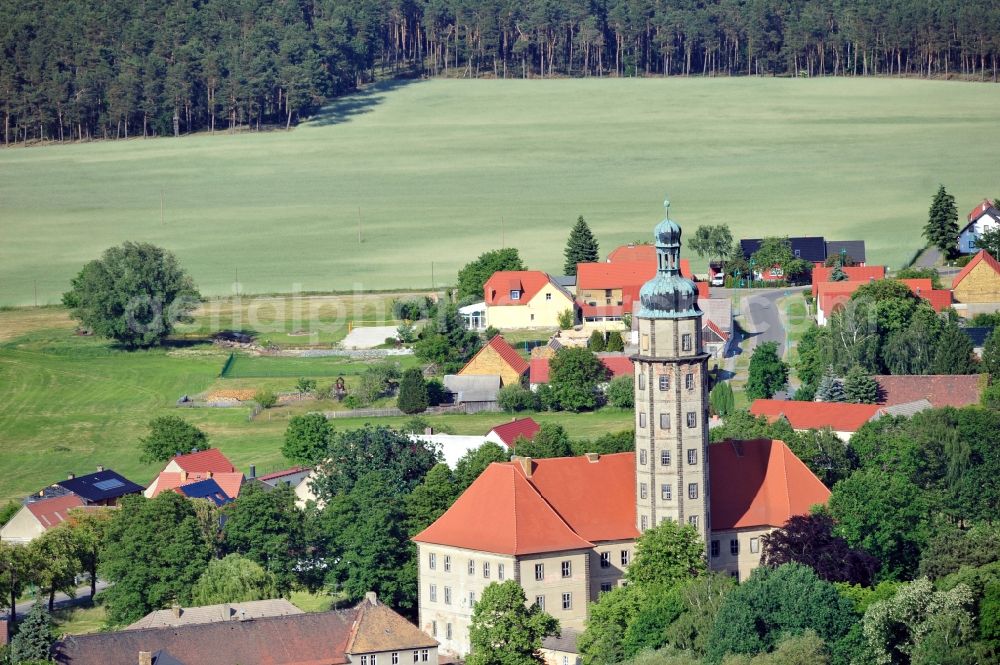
(686, 342)
(734, 547)
(715, 549)
(692, 456)
(642, 381)
(664, 382)
(689, 381)
(666, 492)
(693, 490)
(644, 523)
(693, 520)
(642, 419)
(665, 454)
(692, 418)
(642, 490)
(665, 424)
(642, 457)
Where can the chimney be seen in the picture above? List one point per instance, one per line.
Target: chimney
(525, 463)
(593, 457)
(208, 474)
(71, 475)
(176, 610)
(100, 467)
(372, 598)
(253, 471)
(145, 658)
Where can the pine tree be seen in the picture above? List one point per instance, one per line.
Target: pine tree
(991, 356)
(721, 398)
(33, 642)
(953, 354)
(596, 342)
(615, 343)
(412, 392)
(859, 387)
(830, 388)
(941, 229)
(581, 247)
(838, 274)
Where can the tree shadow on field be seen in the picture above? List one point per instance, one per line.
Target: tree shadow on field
(358, 103)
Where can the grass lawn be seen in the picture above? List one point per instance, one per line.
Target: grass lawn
(69, 403)
(79, 620)
(429, 168)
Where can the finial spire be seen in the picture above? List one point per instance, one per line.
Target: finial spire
(666, 205)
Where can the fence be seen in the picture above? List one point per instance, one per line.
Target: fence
(227, 366)
(472, 407)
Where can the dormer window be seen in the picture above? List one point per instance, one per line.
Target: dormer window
(515, 294)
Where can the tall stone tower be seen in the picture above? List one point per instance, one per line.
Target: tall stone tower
(671, 399)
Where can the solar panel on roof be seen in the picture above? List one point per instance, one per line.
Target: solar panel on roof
(109, 484)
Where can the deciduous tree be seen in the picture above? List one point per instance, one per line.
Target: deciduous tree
(574, 374)
(234, 579)
(505, 630)
(473, 463)
(809, 540)
(169, 436)
(307, 438)
(266, 527)
(474, 275)
(430, 499)
(768, 373)
(666, 554)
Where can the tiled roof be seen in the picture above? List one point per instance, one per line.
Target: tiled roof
(378, 629)
(321, 638)
(721, 334)
(854, 249)
(940, 390)
(505, 351)
(254, 609)
(277, 475)
(497, 289)
(979, 210)
(907, 409)
(204, 460)
(832, 294)
(614, 275)
(100, 486)
(759, 483)
(168, 480)
(838, 416)
(632, 253)
(565, 641)
(821, 274)
(618, 365)
(52, 512)
(983, 255)
(502, 512)
(509, 432)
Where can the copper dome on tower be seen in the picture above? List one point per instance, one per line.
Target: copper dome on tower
(668, 295)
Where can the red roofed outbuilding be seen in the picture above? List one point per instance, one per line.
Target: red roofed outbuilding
(841, 417)
(37, 517)
(618, 365)
(821, 274)
(497, 358)
(508, 433)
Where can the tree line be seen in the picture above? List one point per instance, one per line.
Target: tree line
(115, 69)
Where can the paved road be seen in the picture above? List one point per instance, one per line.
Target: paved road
(761, 313)
(930, 258)
(62, 600)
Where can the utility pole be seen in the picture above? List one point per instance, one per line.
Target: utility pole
(237, 284)
(359, 225)
(161, 206)
(36, 292)
(432, 275)
(502, 244)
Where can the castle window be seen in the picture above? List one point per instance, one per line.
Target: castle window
(539, 572)
(642, 490)
(642, 457)
(665, 454)
(665, 424)
(625, 555)
(432, 560)
(416, 656)
(755, 545)
(734, 547)
(715, 549)
(434, 593)
(472, 567)
(500, 572)
(642, 381)
(605, 559)
(567, 600)
(605, 587)
(686, 342)
(540, 602)
(447, 631)
(434, 628)
(447, 563)
(664, 382)
(424, 656)
(692, 456)
(486, 569)
(693, 520)
(689, 381)
(447, 595)
(567, 568)
(395, 657)
(666, 492)
(692, 419)
(693, 490)
(642, 419)
(472, 599)
(644, 523)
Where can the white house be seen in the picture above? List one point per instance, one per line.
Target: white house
(984, 217)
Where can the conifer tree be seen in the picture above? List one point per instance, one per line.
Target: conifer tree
(581, 247)
(33, 642)
(859, 387)
(596, 342)
(838, 274)
(721, 399)
(412, 392)
(615, 343)
(954, 352)
(991, 356)
(941, 229)
(830, 388)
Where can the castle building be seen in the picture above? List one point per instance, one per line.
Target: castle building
(565, 528)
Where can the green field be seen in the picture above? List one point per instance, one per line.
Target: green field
(69, 403)
(434, 165)
(253, 367)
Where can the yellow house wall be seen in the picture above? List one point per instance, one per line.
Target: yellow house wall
(554, 585)
(21, 528)
(742, 564)
(538, 312)
(600, 297)
(982, 284)
(488, 362)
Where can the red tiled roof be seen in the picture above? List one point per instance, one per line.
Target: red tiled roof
(821, 274)
(283, 473)
(52, 512)
(938, 299)
(940, 390)
(632, 253)
(614, 275)
(838, 416)
(502, 512)
(505, 351)
(617, 365)
(170, 480)
(205, 460)
(832, 294)
(497, 289)
(978, 211)
(724, 336)
(983, 255)
(509, 432)
(759, 483)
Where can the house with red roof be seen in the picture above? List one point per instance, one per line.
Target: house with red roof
(939, 390)
(821, 274)
(566, 529)
(978, 281)
(984, 217)
(831, 296)
(618, 364)
(841, 417)
(517, 299)
(37, 517)
(508, 433)
(497, 358)
(195, 467)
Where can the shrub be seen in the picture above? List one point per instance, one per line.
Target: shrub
(597, 342)
(490, 333)
(566, 319)
(304, 385)
(413, 309)
(621, 392)
(615, 343)
(412, 392)
(265, 399)
(514, 398)
(435, 392)
(407, 333)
